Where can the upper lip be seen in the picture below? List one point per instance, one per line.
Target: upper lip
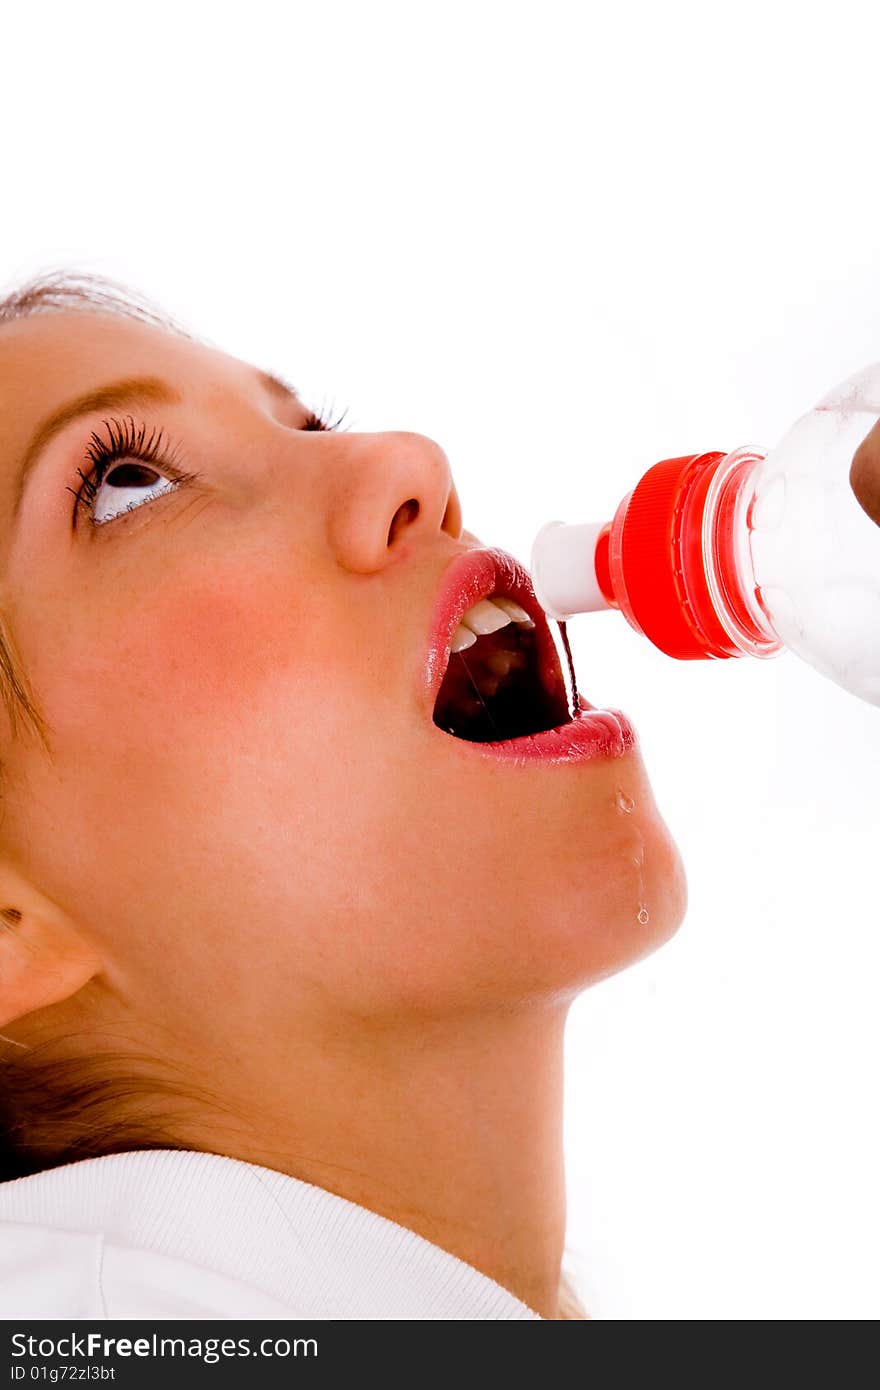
(472, 575)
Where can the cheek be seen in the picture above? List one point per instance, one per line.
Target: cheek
(189, 731)
(201, 702)
(206, 656)
(214, 649)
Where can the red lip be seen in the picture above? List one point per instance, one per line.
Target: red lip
(475, 574)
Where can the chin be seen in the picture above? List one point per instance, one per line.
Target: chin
(604, 909)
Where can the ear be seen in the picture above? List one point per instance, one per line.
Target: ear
(43, 957)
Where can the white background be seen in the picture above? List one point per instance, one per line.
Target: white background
(565, 240)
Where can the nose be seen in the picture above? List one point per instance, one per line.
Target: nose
(387, 491)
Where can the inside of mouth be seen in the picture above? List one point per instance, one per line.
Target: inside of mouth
(493, 690)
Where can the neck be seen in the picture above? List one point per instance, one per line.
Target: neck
(452, 1131)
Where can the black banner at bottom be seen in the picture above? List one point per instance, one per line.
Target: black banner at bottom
(208, 1353)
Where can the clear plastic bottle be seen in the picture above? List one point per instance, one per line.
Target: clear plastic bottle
(741, 554)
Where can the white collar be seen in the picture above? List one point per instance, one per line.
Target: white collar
(324, 1256)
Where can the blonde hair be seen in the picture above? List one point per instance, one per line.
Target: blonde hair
(570, 1307)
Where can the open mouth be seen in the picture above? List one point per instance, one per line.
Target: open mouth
(492, 676)
(500, 682)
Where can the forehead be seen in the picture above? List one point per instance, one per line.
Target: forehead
(52, 357)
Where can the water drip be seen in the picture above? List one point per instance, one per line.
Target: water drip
(576, 699)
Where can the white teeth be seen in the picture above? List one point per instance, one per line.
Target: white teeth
(487, 615)
(519, 615)
(484, 617)
(462, 637)
(490, 614)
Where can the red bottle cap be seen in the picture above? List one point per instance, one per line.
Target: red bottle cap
(662, 562)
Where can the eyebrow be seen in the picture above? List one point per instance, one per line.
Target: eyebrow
(131, 391)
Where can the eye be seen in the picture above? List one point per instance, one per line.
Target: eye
(128, 486)
(323, 420)
(131, 467)
(123, 476)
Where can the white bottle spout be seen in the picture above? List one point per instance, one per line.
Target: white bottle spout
(564, 571)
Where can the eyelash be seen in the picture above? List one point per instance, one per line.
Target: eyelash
(127, 441)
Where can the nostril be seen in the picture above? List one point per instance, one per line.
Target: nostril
(406, 513)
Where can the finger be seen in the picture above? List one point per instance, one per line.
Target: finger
(864, 474)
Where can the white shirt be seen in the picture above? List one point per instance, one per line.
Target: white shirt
(167, 1233)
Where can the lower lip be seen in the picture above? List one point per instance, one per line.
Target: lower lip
(591, 735)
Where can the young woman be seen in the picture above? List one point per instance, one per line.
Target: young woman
(296, 887)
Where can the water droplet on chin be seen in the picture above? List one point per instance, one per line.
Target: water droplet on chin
(624, 803)
(643, 915)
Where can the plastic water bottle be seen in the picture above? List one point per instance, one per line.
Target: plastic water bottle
(740, 554)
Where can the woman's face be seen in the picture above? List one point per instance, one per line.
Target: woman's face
(247, 810)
